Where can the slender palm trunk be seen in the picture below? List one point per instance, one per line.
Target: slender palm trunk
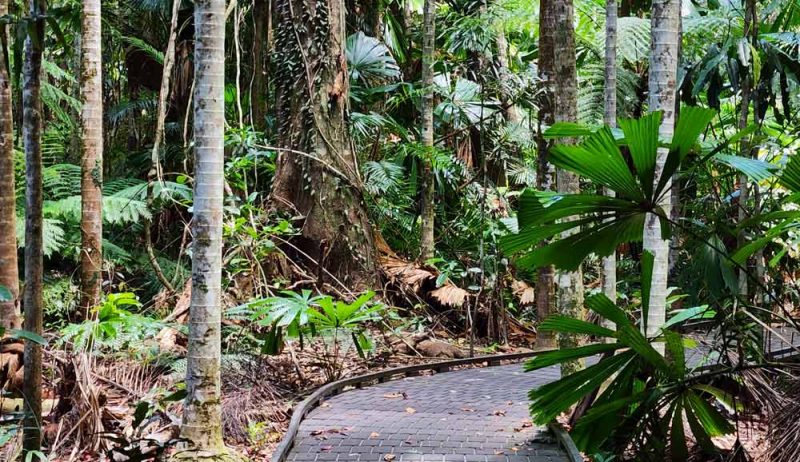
(744, 114)
(545, 175)
(569, 283)
(91, 158)
(610, 119)
(428, 183)
(317, 174)
(9, 269)
(202, 422)
(662, 86)
(34, 268)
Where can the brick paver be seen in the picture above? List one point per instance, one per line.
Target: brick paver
(471, 415)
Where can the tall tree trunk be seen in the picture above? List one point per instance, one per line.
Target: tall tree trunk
(427, 241)
(9, 269)
(34, 268)
(317, 175)
(662, 86)
(509, 109)
(258, 90)
(91, 158)
(750, 22)
(545, 175)
(610, 119)
(569, 283)
(202, 421)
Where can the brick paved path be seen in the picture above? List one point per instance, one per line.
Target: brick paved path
(471, 415)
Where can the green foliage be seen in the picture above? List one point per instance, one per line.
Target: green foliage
(112, 327)
(603, 222)
(643, 396)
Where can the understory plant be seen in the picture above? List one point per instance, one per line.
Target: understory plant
(340, 326)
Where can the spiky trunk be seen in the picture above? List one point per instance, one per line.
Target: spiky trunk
(610, 119)
(426, 242)
(317, 175)
(34, 268)
(662, 86)
(569, 283)
(545, 175)
(9, 269)
(91, 158)
(202, 422)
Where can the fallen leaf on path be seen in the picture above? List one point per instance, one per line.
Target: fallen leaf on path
(325, 404)
(467, 409)
(410, 410)
(389, 457)
(374, 435)
(396, 395)
(498, 412)
(327, 447)
(499, 453)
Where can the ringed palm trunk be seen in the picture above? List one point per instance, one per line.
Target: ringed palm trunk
(317, 175)
(569, 283)
(610, 119)
(545, 175)
(427, 241)
(91, 158)
(662, 86)
(202, 423)
(32, 298)
(9, 269)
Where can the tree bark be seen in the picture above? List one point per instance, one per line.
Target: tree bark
(202, 420)
(34, 268)
(9, 268)
(91, 158)
(662, 86)
(427, 238)
(261, 13)
(545, 175)
(569, 283)
(750, 22)
(317, 176)
(610, 119)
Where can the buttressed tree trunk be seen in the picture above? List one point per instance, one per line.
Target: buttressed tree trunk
(427, 240)
(91, 158)
(662, 86)
(9, 269)
(545, 174)
(569, 283)
(34, 268)
(610, 119)
(317, 175)
(202, 421)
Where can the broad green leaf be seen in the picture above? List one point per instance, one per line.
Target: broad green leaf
(602, 305)
(560, 323)
(690, 314)
(712, 421)
(632, 337)
(28, 335)
(560, 356)
(642, 138)
(648, 260)
(756, 170)
(567, 130)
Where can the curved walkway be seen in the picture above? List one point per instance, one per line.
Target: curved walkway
(471, 415)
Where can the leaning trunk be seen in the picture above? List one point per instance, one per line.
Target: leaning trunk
(91, 158)
(317, 176)
(202, 421)
(610, 119)
(545, 175)
(428, 180)
(662, 85)
(569, 283)
(34, 268)
(9, 269)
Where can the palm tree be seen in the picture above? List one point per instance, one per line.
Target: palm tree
(610, 119)
(545, 175)
(202, 421)
(92, 157)
(34, 268)
(662, 85)
(9, 271)
(428, 186)
(569, 283)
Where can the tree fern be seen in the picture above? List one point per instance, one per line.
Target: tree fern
(53, 235)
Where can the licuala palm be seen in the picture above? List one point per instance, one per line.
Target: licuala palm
(602, 222)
